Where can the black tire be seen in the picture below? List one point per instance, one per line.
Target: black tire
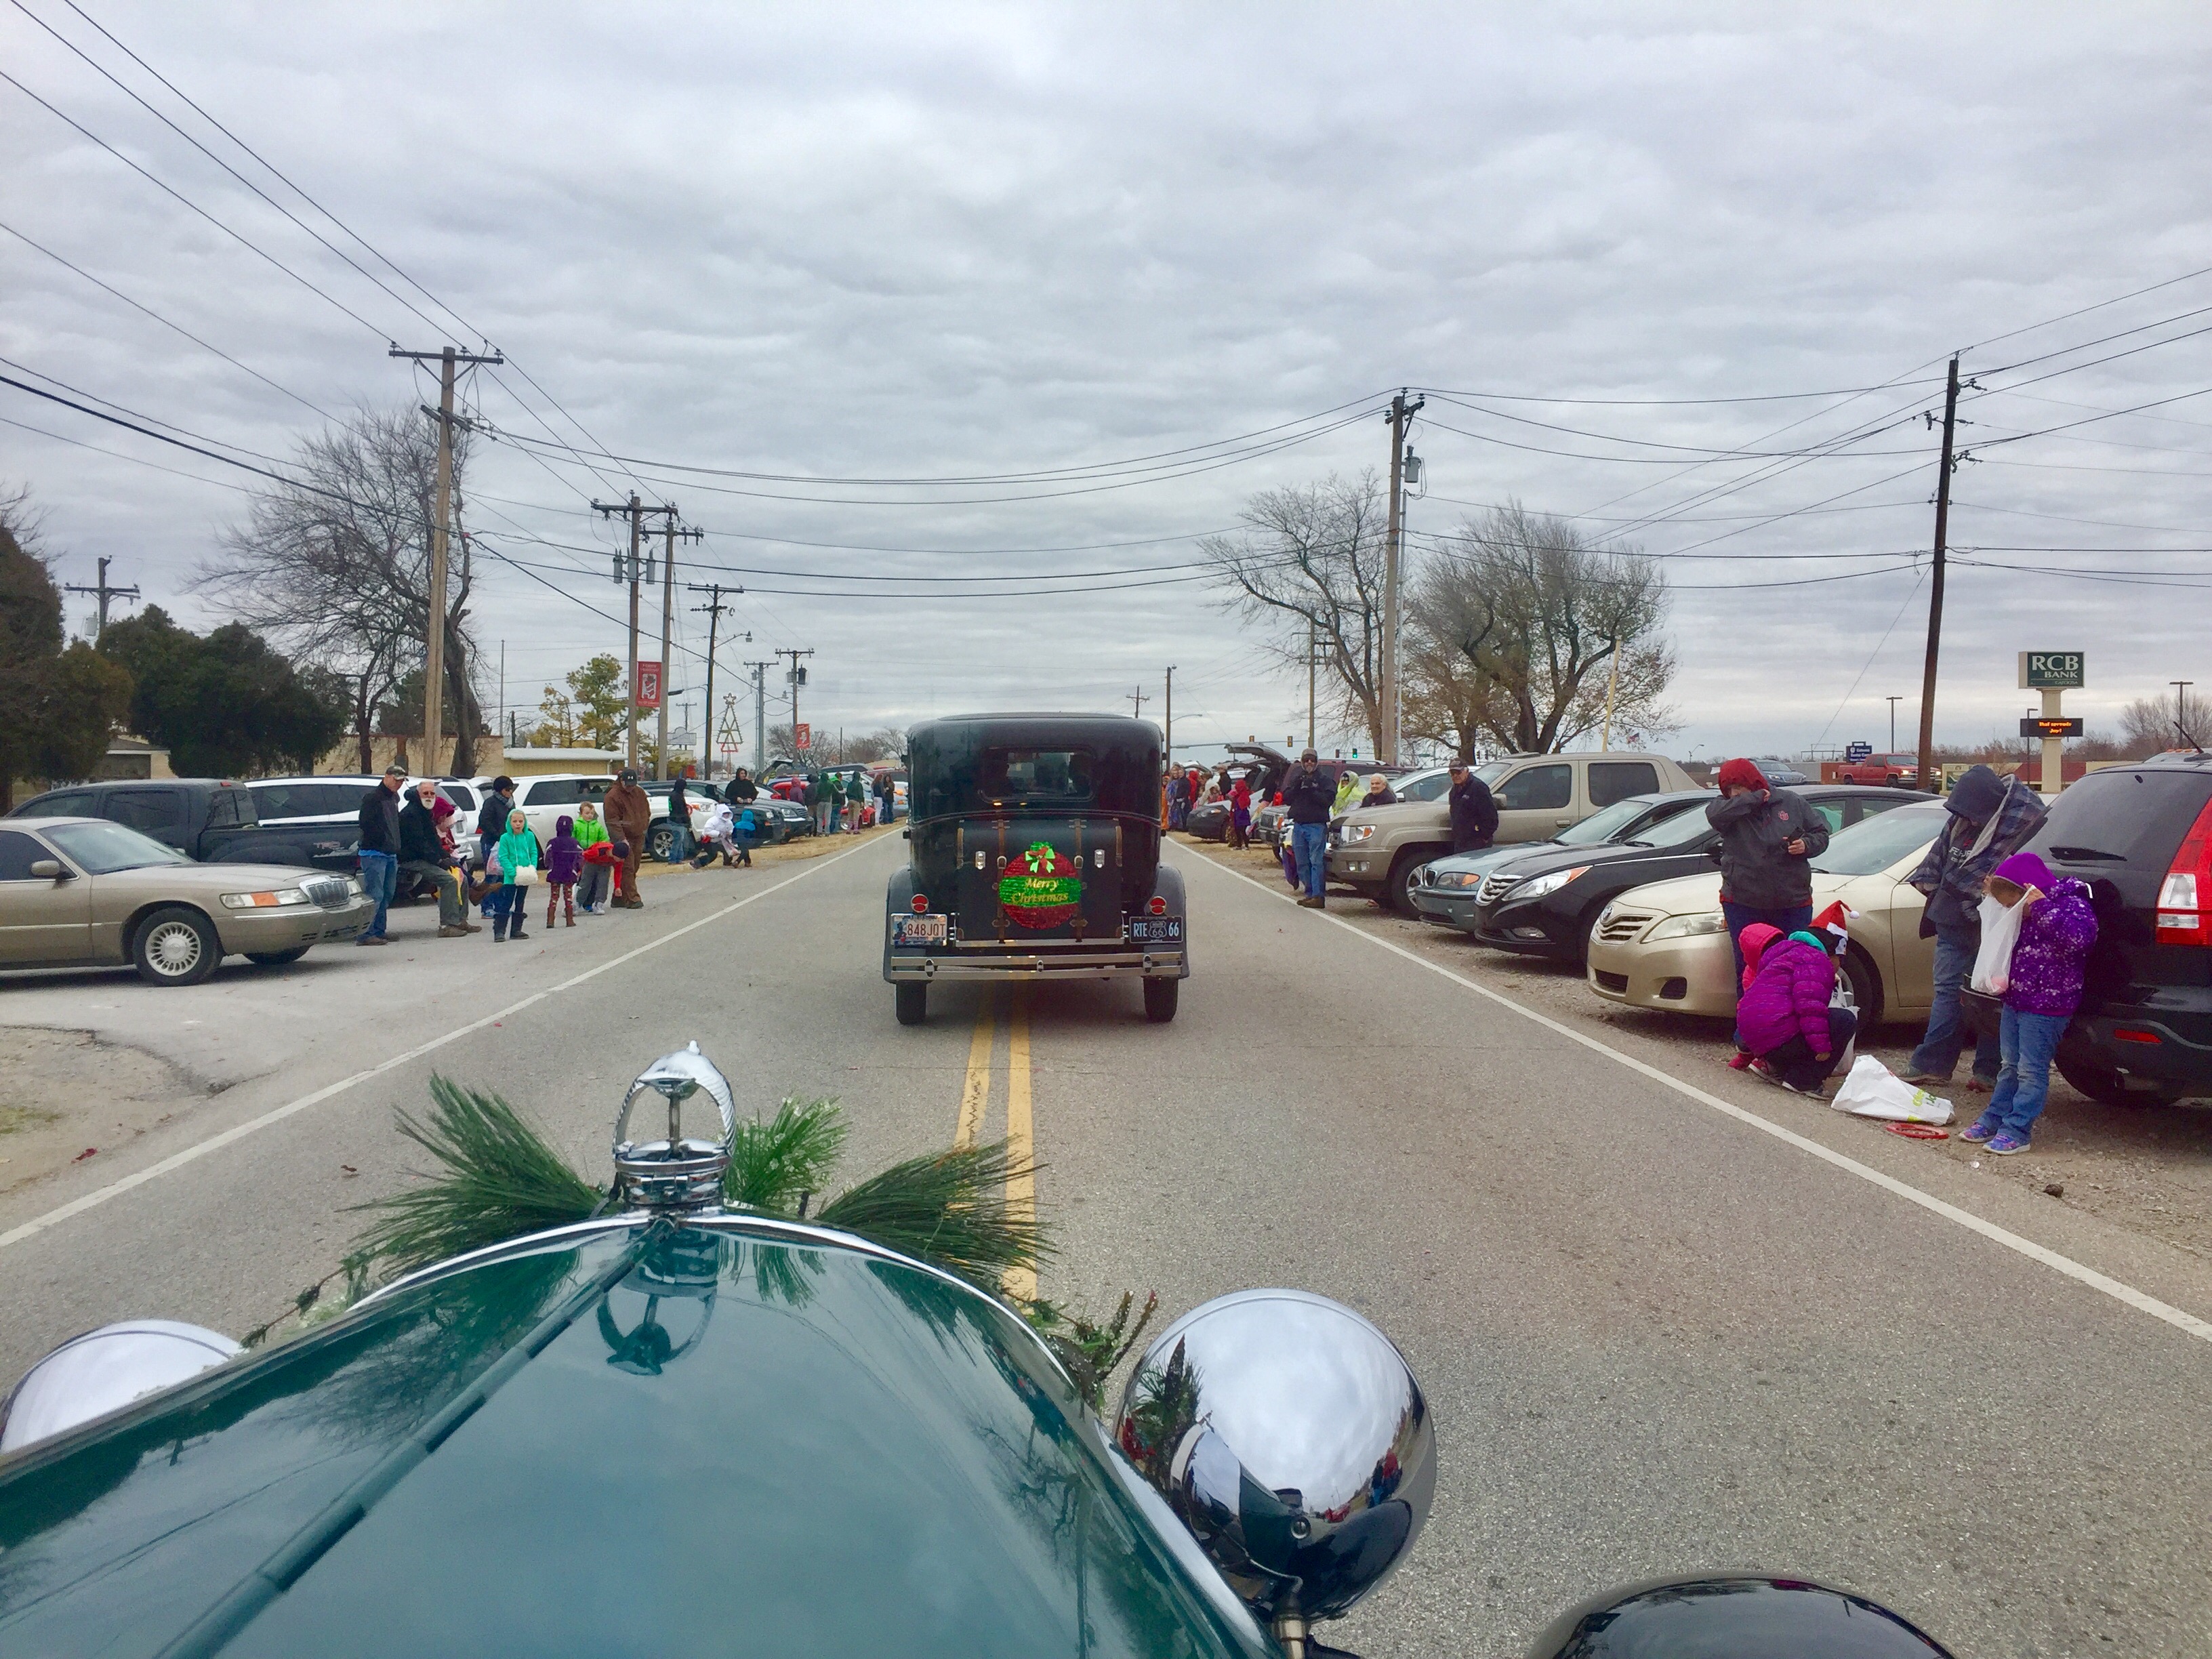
(660, 841)
(910, 1000)
(277, 958)
(1160, 998)
(2110, 1087)
(1866, 989)
(1397, 892)
(175, 945)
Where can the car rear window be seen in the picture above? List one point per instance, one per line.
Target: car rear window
(1876, 843)
(308, 800)
(1612, 780)
(2133, 817)
(1041, 776)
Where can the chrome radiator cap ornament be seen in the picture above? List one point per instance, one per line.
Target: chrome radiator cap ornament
(104, 1371)
(676, 1174)
(1289, 1435)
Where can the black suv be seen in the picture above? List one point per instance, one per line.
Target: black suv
(2141, 835)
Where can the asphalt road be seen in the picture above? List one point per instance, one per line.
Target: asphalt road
(1656, 1336)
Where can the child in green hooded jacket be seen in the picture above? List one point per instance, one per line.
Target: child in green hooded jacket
(519, 852)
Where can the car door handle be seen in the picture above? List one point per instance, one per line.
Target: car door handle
(1563, 823)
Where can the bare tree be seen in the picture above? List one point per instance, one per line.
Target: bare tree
(336, 566)
(2151, 724)
(1306, 567)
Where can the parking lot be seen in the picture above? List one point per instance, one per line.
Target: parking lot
(2148, 1169)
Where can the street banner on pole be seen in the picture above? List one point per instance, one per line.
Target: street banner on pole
(648, 685)
(802, 736)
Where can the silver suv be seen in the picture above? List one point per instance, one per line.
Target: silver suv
(1377, 852)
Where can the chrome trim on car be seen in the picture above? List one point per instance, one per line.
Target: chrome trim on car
(1114, 964)
(1622, 926)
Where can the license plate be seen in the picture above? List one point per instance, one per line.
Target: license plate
(918, 930)
(1156, 930)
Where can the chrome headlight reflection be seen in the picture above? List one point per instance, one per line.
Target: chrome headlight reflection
(1540, 885)
(1289, 1435)
(1357, 832)
(1707, 922)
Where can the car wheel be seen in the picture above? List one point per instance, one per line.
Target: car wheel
(277, 958)
(659, 842)
(1866, 988)
(2111, 1087)
(1397, 892)
(911, 1002)
(175, 946)
(1160, 998)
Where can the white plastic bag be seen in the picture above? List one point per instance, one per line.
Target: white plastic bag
(1872, 1090)
(1993, 962)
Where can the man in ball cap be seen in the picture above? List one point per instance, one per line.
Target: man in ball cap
(628, 813)
(1309, 798)
(379, 849)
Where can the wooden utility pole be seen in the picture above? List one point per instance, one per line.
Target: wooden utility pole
(433, 632)
(1612, 686)
(1137, 702)
(104, 594)
(1401, 413)
(634, 511)
(1313, 667)
(1170, 729)
(760, 714)
(667, 624)
(713, 608)
(1928, 778)
(796, 678)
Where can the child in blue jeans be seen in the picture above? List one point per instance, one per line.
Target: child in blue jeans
(2042, 990)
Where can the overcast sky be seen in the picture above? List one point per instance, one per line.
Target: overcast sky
(915, 242)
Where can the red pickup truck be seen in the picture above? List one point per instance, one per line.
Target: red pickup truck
(1899, 770)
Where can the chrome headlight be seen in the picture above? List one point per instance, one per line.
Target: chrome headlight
(282, 897)
(1551, 883)
(1355, 832)
(1707, 922)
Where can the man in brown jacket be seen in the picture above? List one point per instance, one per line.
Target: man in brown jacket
(629, 814)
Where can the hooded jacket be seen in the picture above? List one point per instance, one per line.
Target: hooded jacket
(1787, 985)
(628, 813)
(1757, 871)
(518, 848)
(2055, 933)
(1990, 819)
(564, 859)
(589, 832)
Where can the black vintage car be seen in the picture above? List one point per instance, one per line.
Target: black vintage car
(1036, 855)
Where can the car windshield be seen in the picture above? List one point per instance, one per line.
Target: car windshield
(1876, 843)
(102, 849)
(1605, 823)
(1683, 829)
(1491, 773)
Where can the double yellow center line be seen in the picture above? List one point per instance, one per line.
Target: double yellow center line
(976, 1102)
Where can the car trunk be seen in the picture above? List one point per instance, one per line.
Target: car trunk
(1034, 879)
(2121, 837)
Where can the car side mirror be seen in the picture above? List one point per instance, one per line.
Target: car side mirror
(49, 870)
(1714, 853)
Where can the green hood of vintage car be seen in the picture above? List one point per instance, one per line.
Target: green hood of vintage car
(727, 1436)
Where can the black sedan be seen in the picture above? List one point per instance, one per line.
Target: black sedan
(1545, 904)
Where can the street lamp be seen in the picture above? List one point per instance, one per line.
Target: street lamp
(2181, 708)
(1893, 701)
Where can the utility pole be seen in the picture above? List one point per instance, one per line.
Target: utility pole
(105, 594)
(636, 512)
(1893, 701)
(1170, 744)
(1137, 702)
(434, 644)
(1401, 413)
(1313, 667)
(760, 714)
(713, 608)
(1612, 686)
(667, 617)
(2180, 691)
(1928, 774)
(795, 678)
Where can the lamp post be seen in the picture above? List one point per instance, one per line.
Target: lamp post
(1893, 701)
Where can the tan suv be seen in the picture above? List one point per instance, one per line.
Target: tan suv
(1377, 852)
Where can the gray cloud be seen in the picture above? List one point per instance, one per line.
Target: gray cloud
(974, 240)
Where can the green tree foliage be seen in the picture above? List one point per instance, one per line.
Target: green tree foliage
(59, 704)
(593, 714)
(225, 703)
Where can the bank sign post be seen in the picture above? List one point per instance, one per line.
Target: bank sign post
(2053, 673)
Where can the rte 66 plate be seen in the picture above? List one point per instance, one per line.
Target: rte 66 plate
(918, 930)
(1156, 930)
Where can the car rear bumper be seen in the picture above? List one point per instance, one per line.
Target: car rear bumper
(2168, 1038)
(1164, 962)
(288, 929)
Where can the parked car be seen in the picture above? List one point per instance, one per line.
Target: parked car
(1448, 887)
(85, 890)
(1666, 945)
(544, 800)
(315, 822)
(1378, 852)
(1547, 904)
(2141, 835)
(1895, 770)
(207, 819)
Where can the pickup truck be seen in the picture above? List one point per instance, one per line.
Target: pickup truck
(1899, 771)
(211, 820)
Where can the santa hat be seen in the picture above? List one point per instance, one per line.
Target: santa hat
(1834, 925)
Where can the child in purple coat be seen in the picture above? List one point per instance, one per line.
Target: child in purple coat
(2043, 989)
(1783, 1021)
(564, 863)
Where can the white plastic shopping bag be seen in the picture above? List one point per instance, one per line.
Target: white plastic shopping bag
(1872, 1090)
(1993, 962)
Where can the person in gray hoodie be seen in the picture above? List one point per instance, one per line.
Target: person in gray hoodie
(1990, 819)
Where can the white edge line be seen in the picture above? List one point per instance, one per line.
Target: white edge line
(101, 1196)
(2201, 1330)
